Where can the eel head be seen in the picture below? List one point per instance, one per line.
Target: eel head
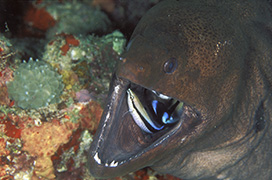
(176, 91)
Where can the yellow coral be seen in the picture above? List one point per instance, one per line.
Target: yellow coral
(69, 78)
(43, 142)
(44, 167)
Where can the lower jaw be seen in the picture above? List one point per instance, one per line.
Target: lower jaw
(120, 145)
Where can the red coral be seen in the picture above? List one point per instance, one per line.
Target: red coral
(70, 40)
(4, 99)
(10, 129)
(141, 175)
(39, 18)
(65, 48)
(21, 122)
(10, 153)
(11, 104)
(72, 172)
(5, 75)
(74, 142)
(90, 116)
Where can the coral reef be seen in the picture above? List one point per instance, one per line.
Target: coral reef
(5, 75)
(35, 85)
(39, 18)
(85, 60)
(88, 18)
(70, 158)
(49, 137)
(68, 50)
(92, 111)
(42, 142)
(30, 150)
(10, 145)
(6, 51)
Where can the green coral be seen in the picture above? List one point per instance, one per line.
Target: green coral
(118, 41)
(75, 17)
(93, 60)
(35, 85)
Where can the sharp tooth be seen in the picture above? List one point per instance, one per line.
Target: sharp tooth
(162, 96)
(106, 164)
(113, 164)
(96, 158)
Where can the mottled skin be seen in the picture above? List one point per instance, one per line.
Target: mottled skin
(224, 75)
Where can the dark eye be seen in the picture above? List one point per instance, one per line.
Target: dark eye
(170, 65)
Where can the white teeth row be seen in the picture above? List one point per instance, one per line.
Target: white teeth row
(98, 160)
(112, 164)
(161, 95)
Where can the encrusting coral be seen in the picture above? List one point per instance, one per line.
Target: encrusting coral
(43, 141)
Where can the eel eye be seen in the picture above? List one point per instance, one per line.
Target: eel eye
(170, 65)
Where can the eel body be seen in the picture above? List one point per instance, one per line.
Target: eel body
(191, 95)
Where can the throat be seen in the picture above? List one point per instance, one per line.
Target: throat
(153, 111)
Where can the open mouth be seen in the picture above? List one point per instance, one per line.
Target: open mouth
(137, 126)
(151, 110)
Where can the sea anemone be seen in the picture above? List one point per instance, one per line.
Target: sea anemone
(36, 84)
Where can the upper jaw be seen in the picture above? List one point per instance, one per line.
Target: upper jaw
(121, 146)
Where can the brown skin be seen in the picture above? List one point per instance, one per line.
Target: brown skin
(223, 75)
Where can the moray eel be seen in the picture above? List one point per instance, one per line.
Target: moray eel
(191, 96)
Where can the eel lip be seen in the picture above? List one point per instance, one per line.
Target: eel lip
(120, 146)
